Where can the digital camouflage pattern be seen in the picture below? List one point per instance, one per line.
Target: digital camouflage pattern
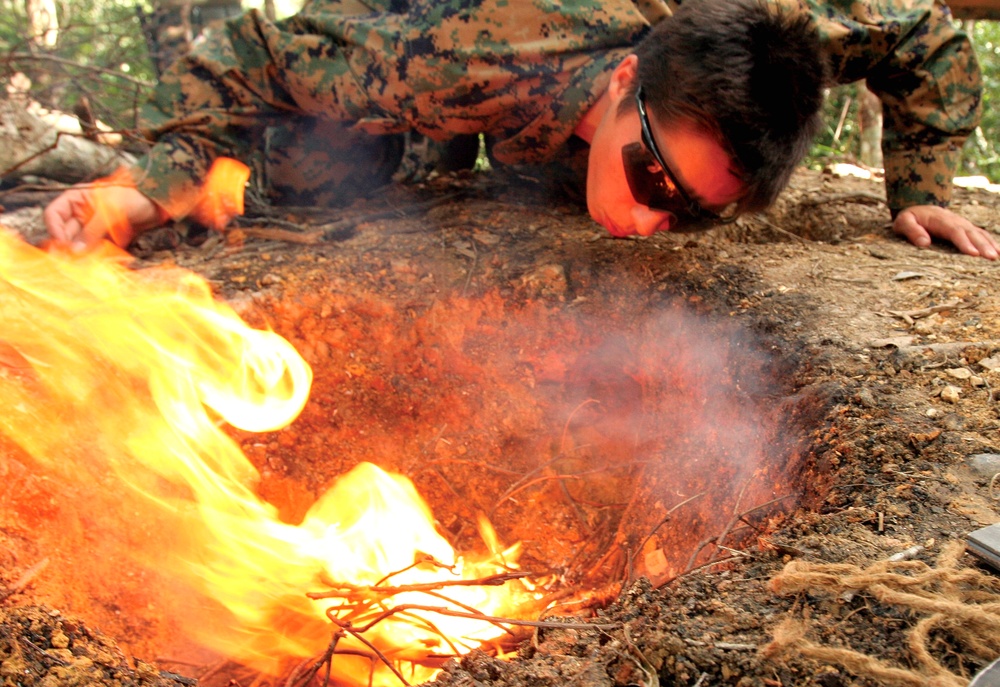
(321, 95)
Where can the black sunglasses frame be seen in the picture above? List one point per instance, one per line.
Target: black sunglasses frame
(693, 212)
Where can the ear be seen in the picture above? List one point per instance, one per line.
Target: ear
(622, 77)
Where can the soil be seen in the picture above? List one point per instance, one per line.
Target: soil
(821, 390)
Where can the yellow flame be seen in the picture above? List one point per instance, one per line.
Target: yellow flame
(132, 372)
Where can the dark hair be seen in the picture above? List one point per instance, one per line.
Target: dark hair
(751, 76)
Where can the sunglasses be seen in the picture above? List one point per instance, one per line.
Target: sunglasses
(655, 185)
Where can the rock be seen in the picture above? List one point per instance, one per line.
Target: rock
(959, 372)
(985, 464)
(950, 394)
(991, 363)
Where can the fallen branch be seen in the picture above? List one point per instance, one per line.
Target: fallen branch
(288, 235)
(30, 146)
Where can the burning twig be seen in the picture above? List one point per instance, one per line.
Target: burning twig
(441, 610)
(490, 580)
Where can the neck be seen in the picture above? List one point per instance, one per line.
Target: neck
(588, 125)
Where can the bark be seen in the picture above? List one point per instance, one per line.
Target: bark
(31, 146)
(870, 116)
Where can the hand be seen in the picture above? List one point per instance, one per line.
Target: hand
(84, 215)
(920, 223)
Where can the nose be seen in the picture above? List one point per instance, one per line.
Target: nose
(647, 221)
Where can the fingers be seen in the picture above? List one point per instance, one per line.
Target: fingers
(921, 224)
(82, 217)
(907, 226)
(66, 215)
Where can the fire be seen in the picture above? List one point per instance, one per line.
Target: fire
(111, 371)
(221, 198)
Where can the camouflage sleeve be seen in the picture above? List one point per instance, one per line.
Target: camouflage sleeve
(931, 90)
(924, 70)
(219, 99)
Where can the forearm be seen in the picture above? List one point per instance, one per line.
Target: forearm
(920, 177)
(217, 102)
(931, 89)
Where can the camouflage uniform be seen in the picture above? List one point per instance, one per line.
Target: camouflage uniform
(322, 93)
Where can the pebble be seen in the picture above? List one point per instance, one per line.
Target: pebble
(985, 464)
(991, 363)
(950, 394)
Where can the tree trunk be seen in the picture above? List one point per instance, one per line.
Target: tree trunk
(870, 116)
(43, 21)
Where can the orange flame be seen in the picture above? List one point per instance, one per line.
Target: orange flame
(221, 198)
(130, 372)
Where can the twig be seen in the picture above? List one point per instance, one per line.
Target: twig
(486, 618)
(841, 197)
(43, 652)
(472, 269)
(382, 657)
(334, 230)
(909, 316)
(726, 646)
(43, 57)
(658, 525)
(581, 406)
(491, 580)
(653, 680)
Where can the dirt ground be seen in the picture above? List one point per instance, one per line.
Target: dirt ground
(824, 392)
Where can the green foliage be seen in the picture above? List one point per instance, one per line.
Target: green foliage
(100, 56)
(982, 151)
(981, 154)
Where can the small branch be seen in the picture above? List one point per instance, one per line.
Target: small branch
(486, 618)
(491, 580)
(842, 197)
(727, 646)
(909, 316)
(42, 57)
(296, 235)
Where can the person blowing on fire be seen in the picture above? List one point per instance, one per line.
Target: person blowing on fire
(675, 117)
